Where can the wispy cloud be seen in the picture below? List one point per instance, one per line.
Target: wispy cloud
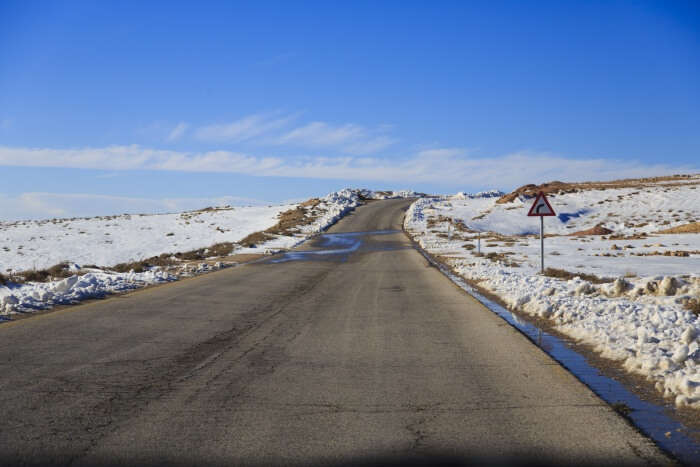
(322, 134)
(177, 132)
(349, 138)
(447, 167)
(135, 157)
(39, 205)
(275, 129)
(163, 131)
(243, 129)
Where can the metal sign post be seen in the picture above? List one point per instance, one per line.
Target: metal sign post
(541, 208)
(542, 244)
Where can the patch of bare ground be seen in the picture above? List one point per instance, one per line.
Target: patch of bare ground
(677, 253)
(191, 214)
(433, 221)
(461, 226)
(166, 259)
(557, 187)
(499, 256)
(255, 239)
(457, 224)
(567, 275)
(217, 250)
(597, 230)
(693, 227)
(693, 305)
(57, 271)
(289, 223)
(637, 236)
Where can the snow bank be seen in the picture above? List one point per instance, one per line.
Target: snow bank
(106, 241)
(637, 320)
(37, 296)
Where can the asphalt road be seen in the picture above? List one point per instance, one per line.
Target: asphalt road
(366, 354)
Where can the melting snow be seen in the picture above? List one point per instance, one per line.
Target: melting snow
(638, 317)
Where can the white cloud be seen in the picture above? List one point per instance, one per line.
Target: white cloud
(243, 129)
(448, 167)
(39, 205)
(322, 134)
(177, 132)
(370, 146)
(349, 138)
(274, 130)
(135, 157)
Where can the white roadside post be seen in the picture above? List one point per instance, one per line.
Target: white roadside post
(541, 208)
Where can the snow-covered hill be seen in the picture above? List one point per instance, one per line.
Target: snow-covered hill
(106, 241)
(625, 259)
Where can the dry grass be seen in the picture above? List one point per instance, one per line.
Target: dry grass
(566, 275)
(531, 190)
(693, 227)
(597, 230)
(57, 271)
(461, 226)
(693, 305)
(676, 253)
(433, 221)
(254, 239)
(143, 265)
(502, 257)
(168, 259)
(136, 266)
(637, 236)
(290, 221)
(288, 224)
(221, 249)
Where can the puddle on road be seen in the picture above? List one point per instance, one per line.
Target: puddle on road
(339, 246)
(650, 418)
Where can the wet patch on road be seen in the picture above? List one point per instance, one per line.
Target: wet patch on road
(650, 418)
(339, 246)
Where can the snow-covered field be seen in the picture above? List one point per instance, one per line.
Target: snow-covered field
(106, 241)
(632, 303)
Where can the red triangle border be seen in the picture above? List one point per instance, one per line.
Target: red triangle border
(544, 198)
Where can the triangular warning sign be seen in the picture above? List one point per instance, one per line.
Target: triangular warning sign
(541, 207)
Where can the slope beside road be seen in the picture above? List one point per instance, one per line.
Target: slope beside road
(350, 348)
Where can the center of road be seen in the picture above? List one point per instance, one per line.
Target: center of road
(349, 349)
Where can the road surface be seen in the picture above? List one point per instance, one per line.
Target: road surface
(353, 349)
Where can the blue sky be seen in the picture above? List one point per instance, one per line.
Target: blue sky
(153, 106)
